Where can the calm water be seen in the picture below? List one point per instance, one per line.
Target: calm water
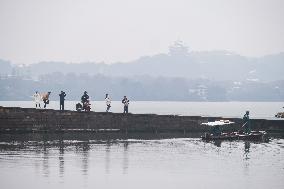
(226, 109)
(85, 160)
(81, 161)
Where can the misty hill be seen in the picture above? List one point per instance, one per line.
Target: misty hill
(178, 75)
(5, 67)
(210, 65)
(217, 65)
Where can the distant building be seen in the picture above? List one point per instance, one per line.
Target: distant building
(178, 49)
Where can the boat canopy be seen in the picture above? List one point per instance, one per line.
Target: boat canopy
(220, 122)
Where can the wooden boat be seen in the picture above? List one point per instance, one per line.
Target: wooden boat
(216, 133)
(253, 136)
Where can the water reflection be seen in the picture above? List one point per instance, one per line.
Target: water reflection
(45, 164)
(247, 147)
(107, 157)
(61, 157)
(246, 157)
(85, 157)
(218, 143)
(125, 157)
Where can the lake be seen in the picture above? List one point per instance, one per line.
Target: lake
(140, 161)
(82, 161)
(265, 110)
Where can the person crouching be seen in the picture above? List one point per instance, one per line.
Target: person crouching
(45, 98)
(85, 99)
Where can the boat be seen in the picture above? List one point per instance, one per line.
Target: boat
(253, 136)
(216, 134)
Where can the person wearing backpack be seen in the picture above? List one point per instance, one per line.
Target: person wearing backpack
(45, 98)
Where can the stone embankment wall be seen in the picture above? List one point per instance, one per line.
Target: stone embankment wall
(14, 119)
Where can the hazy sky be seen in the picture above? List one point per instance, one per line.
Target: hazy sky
(123, 30)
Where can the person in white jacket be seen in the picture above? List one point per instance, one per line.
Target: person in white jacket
(108, 102)
(37, 99)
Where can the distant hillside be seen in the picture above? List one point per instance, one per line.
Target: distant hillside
(178, 75)
(5, 67)
(217, 65)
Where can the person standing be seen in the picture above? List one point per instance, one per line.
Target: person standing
(125, 101)
(45, 98)
(37, 99)
(246, 122)
(62, 96)
(108, 102)
(85, 98)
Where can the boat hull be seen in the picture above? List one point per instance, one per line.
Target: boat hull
(253, 136)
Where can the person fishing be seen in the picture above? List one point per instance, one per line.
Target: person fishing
(62, 96)
(108, 102)
(37, 99)
(246, 123)
(85, 101)
(45, 98)
(125, 101)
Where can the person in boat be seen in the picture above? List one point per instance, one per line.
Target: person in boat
(85, 99)
(216, 130)
(125, 101)
(108, 102)
(37, 99)
(62, 96)
(45, 98)
(246, 123)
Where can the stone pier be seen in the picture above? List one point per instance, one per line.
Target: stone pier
(15, 119)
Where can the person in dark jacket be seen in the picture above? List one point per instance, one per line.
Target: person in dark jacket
(85, 99)
(125, 101)
(246, 122)
(62, 96)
